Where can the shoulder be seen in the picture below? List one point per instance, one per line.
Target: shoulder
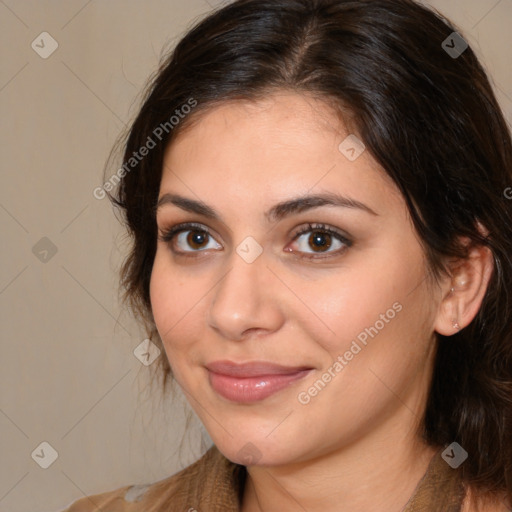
(130, 498)
(487, 503)
(178, 489)
(113, 499)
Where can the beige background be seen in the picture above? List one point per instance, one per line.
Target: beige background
(68, 373)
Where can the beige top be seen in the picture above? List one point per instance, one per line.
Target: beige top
(215, 484)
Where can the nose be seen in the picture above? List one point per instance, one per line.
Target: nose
(246, 300)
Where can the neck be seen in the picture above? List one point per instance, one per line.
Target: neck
(378, 471)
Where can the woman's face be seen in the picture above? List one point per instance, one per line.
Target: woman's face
(350, 314)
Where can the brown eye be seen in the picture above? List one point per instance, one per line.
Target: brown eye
(188, 239)
(320, 239)
(194, 240)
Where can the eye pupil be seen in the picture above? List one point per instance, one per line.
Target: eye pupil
(318, 239)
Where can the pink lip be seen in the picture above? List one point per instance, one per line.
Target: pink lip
(253, 381)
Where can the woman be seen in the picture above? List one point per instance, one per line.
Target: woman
(322, 240)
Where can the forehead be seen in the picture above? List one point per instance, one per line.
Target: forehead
(287, 144)
(282, 122)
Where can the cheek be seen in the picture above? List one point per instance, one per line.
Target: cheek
(379, 344)
(374, 336)
(360, 302)
(175, 302)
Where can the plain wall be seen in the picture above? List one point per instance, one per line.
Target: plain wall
(68, 373)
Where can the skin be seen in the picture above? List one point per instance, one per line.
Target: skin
(355, 442)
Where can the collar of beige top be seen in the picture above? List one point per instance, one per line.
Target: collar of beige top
(214, 483)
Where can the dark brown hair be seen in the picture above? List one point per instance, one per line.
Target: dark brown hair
(431, 120)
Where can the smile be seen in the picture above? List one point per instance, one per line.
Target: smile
(252, 382)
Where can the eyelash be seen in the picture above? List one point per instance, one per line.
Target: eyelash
(168, 236)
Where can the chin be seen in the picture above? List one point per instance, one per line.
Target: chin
(255, 450)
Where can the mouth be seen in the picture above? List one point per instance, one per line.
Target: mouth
(253, 381)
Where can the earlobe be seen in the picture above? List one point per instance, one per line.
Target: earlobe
(464, 291)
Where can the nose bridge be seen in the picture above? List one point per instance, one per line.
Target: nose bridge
(242, 300)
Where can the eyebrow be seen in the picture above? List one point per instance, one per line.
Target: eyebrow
(274, 214)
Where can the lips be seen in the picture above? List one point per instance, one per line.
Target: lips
(252, 381)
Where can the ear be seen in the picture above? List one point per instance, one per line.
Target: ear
(464, 290)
